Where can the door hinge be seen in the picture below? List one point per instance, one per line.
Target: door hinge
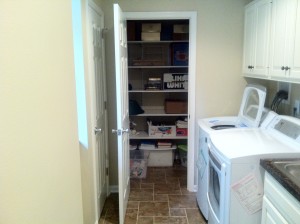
(105, 105)
(103, 32)
(106, 171)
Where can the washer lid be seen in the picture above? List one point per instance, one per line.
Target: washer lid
(240, 144)
(252, 106)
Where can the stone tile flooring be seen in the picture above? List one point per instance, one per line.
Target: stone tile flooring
(161, 197)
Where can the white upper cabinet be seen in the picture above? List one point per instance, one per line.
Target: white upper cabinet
(256, 38)
(275, 56)
(284, 14)
(295, 60)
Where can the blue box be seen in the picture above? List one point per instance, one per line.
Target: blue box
(180, 54)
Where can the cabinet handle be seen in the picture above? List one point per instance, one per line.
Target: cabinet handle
(287, 68)
(282, 68)
(249, 66)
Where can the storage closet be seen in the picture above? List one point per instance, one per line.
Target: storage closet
(158, 77)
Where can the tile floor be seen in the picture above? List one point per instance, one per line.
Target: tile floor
(161, 197)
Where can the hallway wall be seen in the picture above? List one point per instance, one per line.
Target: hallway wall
(40, 178)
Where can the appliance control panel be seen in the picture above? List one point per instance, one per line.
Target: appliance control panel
(287, 126)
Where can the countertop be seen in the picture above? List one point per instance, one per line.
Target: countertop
(281, 177)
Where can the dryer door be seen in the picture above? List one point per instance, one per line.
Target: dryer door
(252, 106)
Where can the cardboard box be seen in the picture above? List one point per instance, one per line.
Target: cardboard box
(150, 36)
(175, 81)
(151, 27)
(176, 107)
(180, 28)
(161, 131)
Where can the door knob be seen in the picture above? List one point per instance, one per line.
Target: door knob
(287, 68)
(282, 68)
(97, 130)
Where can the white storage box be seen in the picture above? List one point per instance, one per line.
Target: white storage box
(150, 36)
(138, 163)
(162, 131)
(161, 158)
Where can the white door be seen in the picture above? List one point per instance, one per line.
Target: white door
(120, 35)
(97, 73)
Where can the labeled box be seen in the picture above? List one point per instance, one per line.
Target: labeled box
(162, 131)
(175, 81)
(176, 107)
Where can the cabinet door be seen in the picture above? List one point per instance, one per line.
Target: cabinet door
(282, 36)
(249, 38)
(270, 215)
(256, 47)
(295, 61)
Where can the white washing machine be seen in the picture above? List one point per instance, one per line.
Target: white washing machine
(250, 115)
(235, 189)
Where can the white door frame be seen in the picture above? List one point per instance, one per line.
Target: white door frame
(192, 17)
(94, 6)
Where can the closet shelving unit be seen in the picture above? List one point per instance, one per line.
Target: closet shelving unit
(152, 59)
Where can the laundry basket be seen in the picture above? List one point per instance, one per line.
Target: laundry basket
(138, 163)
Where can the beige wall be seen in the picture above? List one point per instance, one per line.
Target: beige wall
(284, 108)
(219, 56)
(39, 154)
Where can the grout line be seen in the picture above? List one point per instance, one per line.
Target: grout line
(186, 216)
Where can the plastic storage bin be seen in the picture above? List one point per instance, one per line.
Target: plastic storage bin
(138, 163)
(183, 154)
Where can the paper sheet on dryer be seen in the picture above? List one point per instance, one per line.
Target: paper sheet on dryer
(249, 193)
